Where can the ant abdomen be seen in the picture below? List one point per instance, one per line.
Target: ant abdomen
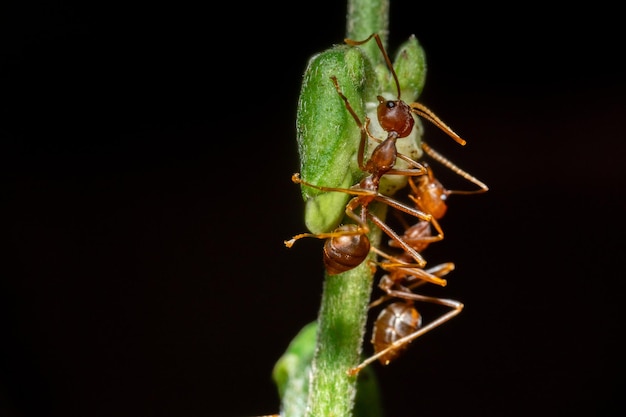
(345, 251)
(415, 236)
(394, 322)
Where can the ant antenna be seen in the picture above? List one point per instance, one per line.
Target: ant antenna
(396, 115)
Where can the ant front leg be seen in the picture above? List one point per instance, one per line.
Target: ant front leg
(345, 248)
(360, 228)
(346, 230)
(362, 128)
(353, 191)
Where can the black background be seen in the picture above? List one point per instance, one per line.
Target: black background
(146, 154)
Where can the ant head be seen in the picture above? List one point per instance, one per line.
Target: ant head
(395, 116)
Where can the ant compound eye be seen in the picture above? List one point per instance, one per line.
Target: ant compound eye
(390, 104)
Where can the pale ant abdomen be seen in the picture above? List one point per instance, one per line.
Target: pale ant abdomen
(394, 322)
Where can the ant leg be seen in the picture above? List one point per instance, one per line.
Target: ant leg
(421, 262)
(353, 191)
(364, 131)
(361, 228)
(338, 232)
(432, 275)
(439, 270)
(417, 281)
(415, 213)
(409, 278)
(417, 170)
(376, 37)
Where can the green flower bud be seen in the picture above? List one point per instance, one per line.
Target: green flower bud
(328, 136)
(410, 66)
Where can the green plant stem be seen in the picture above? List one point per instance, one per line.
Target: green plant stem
(365, 17)
(342, 319)
(343, 313)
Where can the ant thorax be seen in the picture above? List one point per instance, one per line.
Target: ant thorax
(409, 146)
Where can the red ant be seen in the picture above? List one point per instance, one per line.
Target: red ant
(396, 118)
(399, 323)
(341, 254)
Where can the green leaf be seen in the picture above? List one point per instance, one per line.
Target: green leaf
(291, 372)
(291, 376)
